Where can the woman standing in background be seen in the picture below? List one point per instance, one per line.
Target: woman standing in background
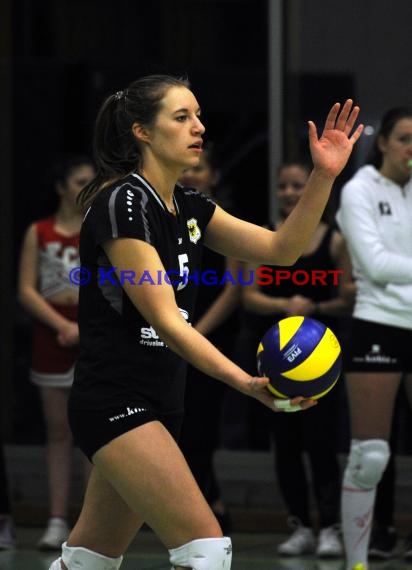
(315, 432)
(50, 250)
(215, 318)
(375, 217)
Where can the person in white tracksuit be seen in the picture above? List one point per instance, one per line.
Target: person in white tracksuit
(375, 217)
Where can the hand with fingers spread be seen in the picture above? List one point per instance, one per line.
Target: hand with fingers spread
(331, 151)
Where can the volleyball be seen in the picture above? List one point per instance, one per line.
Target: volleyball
(301, 357)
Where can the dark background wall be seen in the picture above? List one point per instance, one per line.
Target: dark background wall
(66, 56)
(69, 55)
(60, 58)
(366, 40)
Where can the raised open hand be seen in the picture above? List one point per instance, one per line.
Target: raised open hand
(331, 151)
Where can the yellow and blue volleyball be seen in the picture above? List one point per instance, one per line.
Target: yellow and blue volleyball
(301, 357)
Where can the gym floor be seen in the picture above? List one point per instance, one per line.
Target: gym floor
(251, 551)
(248, 486)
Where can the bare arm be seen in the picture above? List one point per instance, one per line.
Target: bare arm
(337, 306)
(158, 306)
(224, 305)
(347, 283)
(256, 301)
(248, 242)
(343, 303)
(30, 298)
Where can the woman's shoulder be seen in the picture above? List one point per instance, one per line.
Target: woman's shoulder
(111, 186)
(43, 224)
(195, 204)
(363, 181)
(110, 191)
(188, 193)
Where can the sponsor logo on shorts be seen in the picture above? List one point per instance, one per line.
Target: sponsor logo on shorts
(375, 356)
(130, 410)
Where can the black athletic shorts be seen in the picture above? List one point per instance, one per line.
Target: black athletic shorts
(373, 347)
(92, 429)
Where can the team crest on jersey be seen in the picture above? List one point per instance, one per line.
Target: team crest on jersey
(194, 230)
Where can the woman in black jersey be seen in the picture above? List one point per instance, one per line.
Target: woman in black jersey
(140, 249)
(315, 432)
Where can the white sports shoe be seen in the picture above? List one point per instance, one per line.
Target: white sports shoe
(56, 565)
(6, 533)
(329, 543)
(302, 540)
(56, 533)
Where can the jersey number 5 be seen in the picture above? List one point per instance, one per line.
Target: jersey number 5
(183, 270)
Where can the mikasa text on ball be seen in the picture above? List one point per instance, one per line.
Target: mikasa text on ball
(301, 357)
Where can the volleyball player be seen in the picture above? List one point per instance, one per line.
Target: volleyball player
(126, 403)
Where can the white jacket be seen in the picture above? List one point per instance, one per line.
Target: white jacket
(375, 216)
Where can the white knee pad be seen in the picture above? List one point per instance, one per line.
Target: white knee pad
(204, 554)
(366, 462)
(77, 557)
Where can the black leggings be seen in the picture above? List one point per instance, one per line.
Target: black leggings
(313, 431)
(200, 433)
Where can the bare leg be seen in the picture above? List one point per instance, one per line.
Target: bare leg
(142, 476)
(105, 519)
(371, 400)
(87, 469)
(59, 448)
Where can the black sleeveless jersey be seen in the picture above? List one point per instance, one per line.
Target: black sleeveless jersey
(122, 360)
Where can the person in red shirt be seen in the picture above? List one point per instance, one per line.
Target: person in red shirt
(50, 251)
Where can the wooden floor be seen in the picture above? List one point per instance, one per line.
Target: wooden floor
(251, 552)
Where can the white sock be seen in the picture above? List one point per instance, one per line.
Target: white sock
(77, 557)
(357, 514)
